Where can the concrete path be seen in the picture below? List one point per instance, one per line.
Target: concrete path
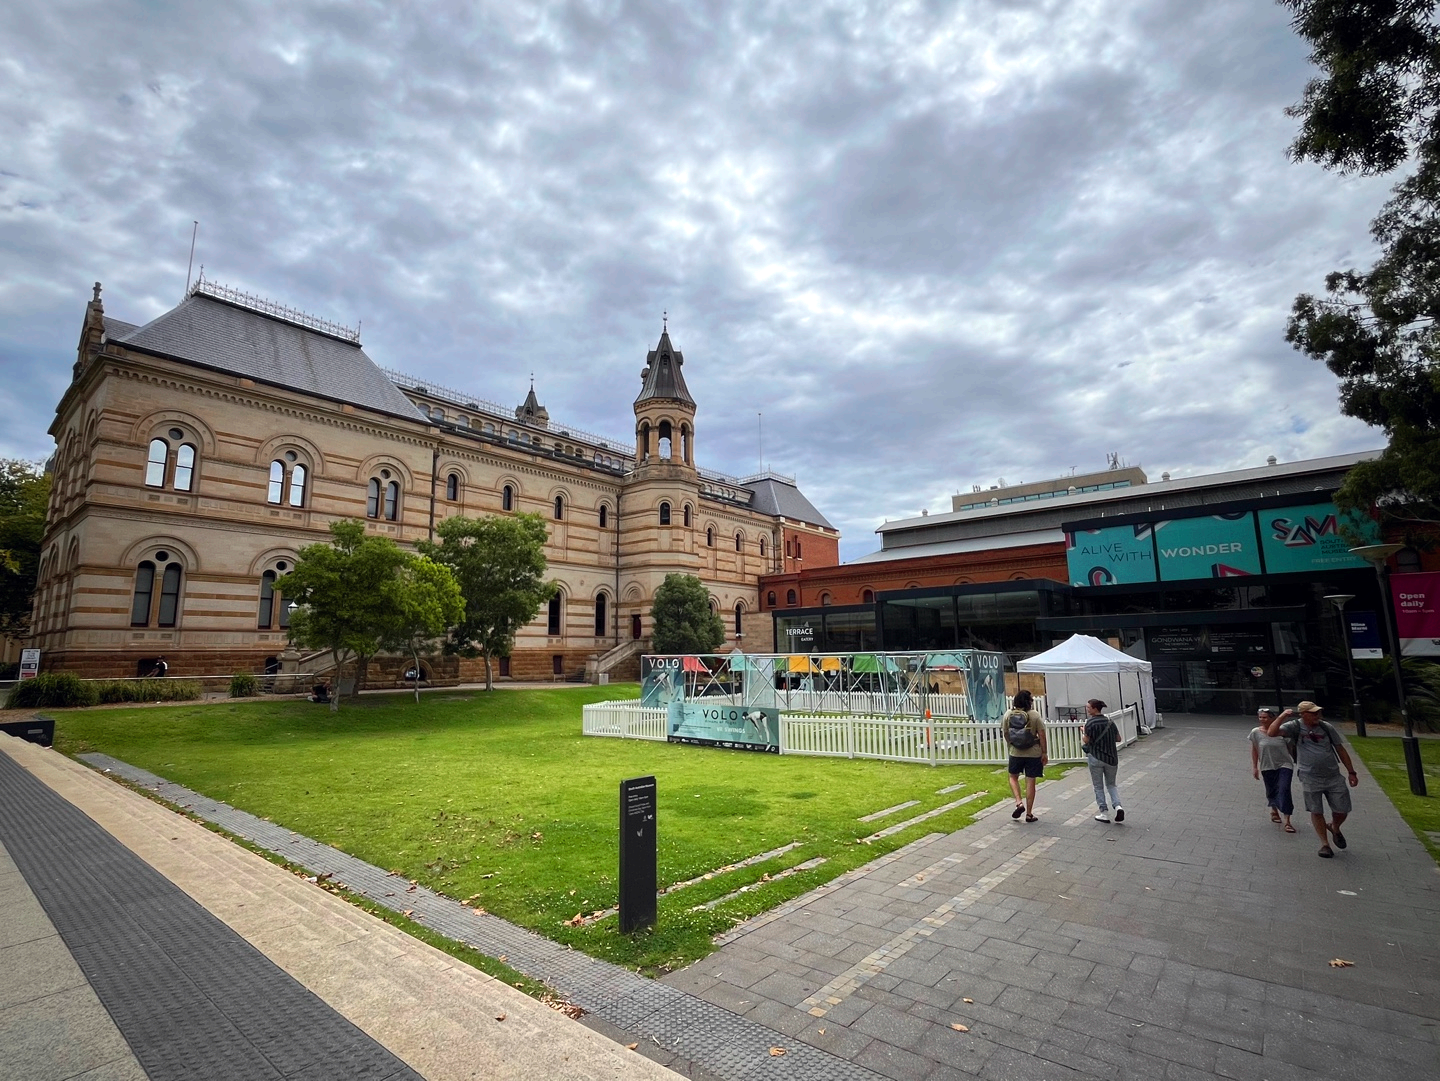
(1193, 941)
(200, 959)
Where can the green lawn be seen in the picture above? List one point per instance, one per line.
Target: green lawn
(499, 797)
(1384, 757)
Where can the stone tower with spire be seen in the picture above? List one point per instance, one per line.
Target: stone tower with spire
(664, 411)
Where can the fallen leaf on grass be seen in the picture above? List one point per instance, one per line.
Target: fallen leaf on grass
(776, 1052)
(576, 920)
(1340, 962)
(409, 912)
(958, 1027)
(502, 958)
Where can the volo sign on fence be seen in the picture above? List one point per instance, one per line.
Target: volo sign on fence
(29, 663)
(1417, 612)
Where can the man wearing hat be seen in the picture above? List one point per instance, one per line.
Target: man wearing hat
(1319, 753)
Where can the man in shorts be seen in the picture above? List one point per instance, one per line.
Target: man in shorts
(1319, 753)
(1030, 760)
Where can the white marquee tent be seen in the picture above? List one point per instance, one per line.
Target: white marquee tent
(1083, 667)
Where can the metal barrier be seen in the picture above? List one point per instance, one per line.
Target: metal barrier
(931, 741)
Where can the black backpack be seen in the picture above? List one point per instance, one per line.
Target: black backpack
(1018, 732)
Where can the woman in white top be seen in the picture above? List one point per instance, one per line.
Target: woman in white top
(1270, 761)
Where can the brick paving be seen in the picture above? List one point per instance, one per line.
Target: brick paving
(1192, 941)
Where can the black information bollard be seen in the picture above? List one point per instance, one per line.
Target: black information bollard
(637, 853)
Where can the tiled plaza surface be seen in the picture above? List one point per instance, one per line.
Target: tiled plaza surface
(1193, 941)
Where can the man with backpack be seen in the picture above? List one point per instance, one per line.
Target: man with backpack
(1319, 753)
(1025, 733)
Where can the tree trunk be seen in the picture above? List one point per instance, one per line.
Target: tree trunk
(415, 660)
(489, 685)
(335, 681)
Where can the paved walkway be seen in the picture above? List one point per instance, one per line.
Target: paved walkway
(1193, 941)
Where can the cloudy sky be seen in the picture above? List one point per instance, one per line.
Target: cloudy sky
(935, 244)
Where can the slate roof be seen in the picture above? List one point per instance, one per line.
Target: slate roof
(775, 497)
(662, 378)
(118, 328)
(211, 333)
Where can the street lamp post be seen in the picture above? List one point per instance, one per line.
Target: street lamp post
(1376, 555)
(1339, 600)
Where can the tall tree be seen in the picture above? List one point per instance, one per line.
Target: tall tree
(348, 592)
(500, 565)
(683, 619)
(429, 605)
(1374, 108)
(24, 497)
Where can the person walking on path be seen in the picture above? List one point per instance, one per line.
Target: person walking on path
(1319, 751)
(1270, 761)
(1029, 751)
(1100, 738)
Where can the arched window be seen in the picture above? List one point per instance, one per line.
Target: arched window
(770, 598)
(688, 519)
(762, 547)
(797, 548)
(372, 499)
(277, 482)
(787, 548)
(664, 513)
(664, 439)
(155, 463)
(452, 487)
(601, 624)
(604, 515)
(789, 596)
(507, 498)
(739, 542)
(267, 601)
(824, 598)
(184, 468)
(552, 620)
(298, 477)
(739, 611)
(867, 596)
(392, 500)
(144, 592)
(709, 537)
(559, 507)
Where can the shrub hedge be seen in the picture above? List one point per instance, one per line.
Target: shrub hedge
(59, 689)
(244, 685)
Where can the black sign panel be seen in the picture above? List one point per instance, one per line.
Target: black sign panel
(637, 853)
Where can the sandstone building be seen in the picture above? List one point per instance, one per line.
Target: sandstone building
(198, 453)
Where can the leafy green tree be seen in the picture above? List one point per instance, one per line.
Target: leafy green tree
(24, 497)
(349, 592)
(500, 565)
(1374, 108)
(683, 619)
(430, 604)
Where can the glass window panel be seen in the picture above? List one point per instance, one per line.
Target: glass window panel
(277, 482)
(267, 600)
(600, 620)
(372, 499)
(297, 486)
(392, 500)
(144, 590)
(155, 463)
(552, 621)
(169, 595)
(184, 467)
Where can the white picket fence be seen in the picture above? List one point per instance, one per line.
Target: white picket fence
(898, 739)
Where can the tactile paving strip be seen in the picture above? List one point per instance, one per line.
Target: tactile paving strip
(190, 996)
(715, 1039)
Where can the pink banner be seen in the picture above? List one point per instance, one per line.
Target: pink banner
(1417, 612)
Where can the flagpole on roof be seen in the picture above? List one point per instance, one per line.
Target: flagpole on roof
(191, 265)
